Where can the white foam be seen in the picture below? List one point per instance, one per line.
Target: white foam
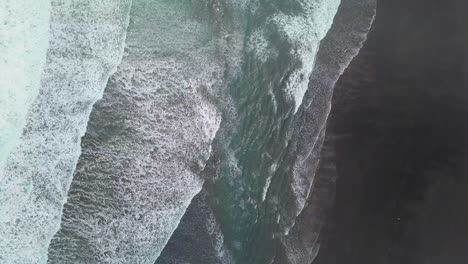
(24, 27)
(85, 45)
(266, 187)
(147, 139)
(303, 31)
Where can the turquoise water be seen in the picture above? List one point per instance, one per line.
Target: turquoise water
(265, 153)
(282, 39)
(24, 39)
(51, 92)
(198, 79)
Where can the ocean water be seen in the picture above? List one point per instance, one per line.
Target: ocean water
(223, 99)
(147, 139)
(282, 39)
(260, 176)
(85, 45)
(24, 40)
(189, 69)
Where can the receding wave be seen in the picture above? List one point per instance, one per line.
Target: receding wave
(147, 117)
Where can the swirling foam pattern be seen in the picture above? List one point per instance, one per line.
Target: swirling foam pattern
(24, 27)
(148, 138)
(85, 45)
(206, 91)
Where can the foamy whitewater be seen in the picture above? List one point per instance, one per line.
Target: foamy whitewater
(85, 45)
(118, 115)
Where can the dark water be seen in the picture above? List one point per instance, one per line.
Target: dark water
(400, 121)
(264, 160)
